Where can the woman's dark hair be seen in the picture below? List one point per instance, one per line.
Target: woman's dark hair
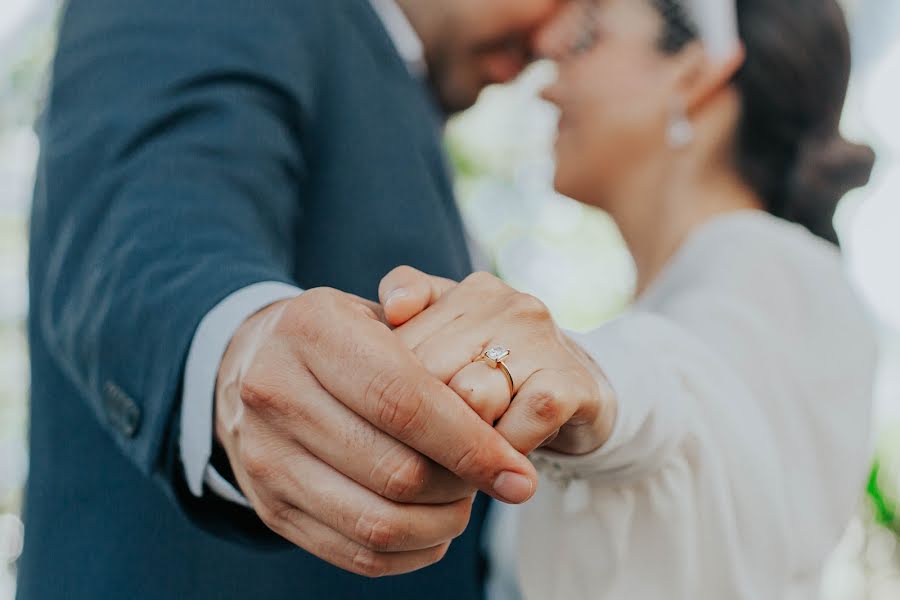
(792, 86)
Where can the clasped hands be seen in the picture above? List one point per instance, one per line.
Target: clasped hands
(360, 432)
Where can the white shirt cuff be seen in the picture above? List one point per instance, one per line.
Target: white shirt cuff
(201, 370)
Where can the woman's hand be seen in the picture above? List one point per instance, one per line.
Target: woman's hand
(559, 397)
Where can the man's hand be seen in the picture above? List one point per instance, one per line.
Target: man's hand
(560, 398)
(346, 446)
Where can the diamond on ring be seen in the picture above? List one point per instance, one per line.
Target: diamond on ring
(494, 356)
(496, 353)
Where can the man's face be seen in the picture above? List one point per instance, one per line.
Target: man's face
(481, 42)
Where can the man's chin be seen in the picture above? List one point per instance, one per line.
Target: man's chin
(455, 98)
(452, 105)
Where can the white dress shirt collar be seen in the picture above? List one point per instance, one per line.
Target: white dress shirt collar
(403, 35)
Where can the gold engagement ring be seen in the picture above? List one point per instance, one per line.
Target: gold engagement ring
(494, 357)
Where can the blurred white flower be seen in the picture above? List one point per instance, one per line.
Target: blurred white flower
(12, 535)
(882, 98)
(13, 15)
(13, 466)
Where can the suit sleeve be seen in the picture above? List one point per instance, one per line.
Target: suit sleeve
(171, 176)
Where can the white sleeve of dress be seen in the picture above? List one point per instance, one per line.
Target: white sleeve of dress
(696, 493)
(201, 369)
(648, 422)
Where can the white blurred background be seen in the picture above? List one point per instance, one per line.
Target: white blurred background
(567, 255)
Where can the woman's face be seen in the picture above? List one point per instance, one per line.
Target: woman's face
(615, 91)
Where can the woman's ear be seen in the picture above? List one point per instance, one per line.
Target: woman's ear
(704, 77)
(699, 77)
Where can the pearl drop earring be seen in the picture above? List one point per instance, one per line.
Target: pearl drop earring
(680, 133)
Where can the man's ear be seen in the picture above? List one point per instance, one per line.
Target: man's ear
(700, 77)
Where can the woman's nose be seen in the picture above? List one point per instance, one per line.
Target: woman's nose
(551, 93)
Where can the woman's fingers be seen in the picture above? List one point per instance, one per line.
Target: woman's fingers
(479, 297)
(484, 389)
(405, 292)
(558, 400)
(546, 402)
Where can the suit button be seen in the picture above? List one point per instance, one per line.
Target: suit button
(121, 409)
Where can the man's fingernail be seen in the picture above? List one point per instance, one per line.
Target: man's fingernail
(513, 487)
(395, 295)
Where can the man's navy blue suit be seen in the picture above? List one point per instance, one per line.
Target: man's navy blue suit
(192, 148)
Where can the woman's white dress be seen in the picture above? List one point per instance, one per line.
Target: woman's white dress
(744, 376)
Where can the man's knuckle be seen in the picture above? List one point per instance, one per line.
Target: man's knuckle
(396, 403)
(284, 514)
(379, 532)
(439, 552)
(265, 386)
(255, 392)
(306, 316)
(269, 515)
(461, 518)
(255, 463)
(409, 480)
(470, 461)
(369, 563)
